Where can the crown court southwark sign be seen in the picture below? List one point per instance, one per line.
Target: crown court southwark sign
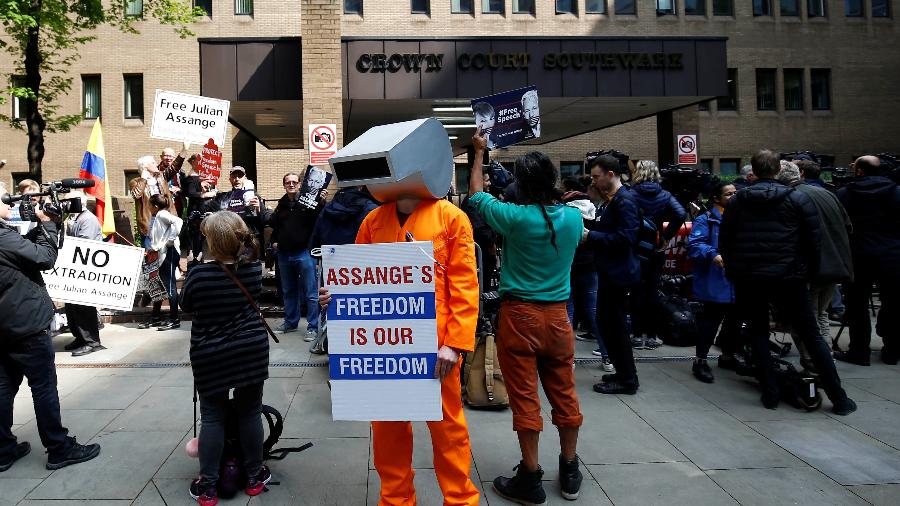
(434, 62)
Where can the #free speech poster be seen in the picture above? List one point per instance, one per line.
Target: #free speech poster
(382, 332)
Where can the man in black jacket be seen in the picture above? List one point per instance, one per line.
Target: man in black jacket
(873, 203)
(769, 242)
(26, 349)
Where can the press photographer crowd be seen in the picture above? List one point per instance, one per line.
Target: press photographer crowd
(629, 256)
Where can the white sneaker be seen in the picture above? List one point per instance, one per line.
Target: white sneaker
(639, 342)
(310, 336)
(653, 343)
(607, 366)
(597, 353)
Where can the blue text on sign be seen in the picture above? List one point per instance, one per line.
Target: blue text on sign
(382, 306)
(382, 367)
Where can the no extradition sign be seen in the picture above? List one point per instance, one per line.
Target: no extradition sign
(687, 150)
(382, 332)
(322, 143)
(189, 118)
(94, 273)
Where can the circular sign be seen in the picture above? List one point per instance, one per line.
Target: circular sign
(322, 138)
(686, 145)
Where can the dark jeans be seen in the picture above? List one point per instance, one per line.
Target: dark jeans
(713, 315)
(791, 299)
(83, 323)
(645, 298)
(33, 358)
(213, 414)
(582, 305)
(858, 316)
(167, 273)
(611, 322)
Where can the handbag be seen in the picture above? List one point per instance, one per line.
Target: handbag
(250, 300)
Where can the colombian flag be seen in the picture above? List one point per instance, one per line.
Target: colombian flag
(93, 166)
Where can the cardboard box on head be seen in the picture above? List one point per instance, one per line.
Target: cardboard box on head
(408, 158)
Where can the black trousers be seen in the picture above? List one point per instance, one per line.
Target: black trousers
(791, 298)
(716, 314)
(888, 324)
(611, 300)
(83, 323)
(645, 302)
(33, 358)
(213, 415)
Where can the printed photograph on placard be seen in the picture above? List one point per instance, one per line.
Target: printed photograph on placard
(510, 117)
(314, 181)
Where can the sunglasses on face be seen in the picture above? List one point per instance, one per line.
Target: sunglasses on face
(291, 183)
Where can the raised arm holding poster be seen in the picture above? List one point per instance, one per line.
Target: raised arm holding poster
(314, 181)
(382, 330)
(189, 118)
(509, 117)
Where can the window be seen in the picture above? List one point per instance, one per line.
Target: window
(695, 7)
(762, 7)
(881, 8)
(729, 166)
(625, 7)
(129, 175)
(703, 106)
(421, 6)
(853, 8)
(134, 8)
(723, 7)
(706, 165)
(461, 6)
(729, 103)
(816, 8)
(664, 7)
(566, 7)
(356, 6)
(790, 8)
(595, 6)
(570, 169)
(793, 89)
(18, 104)
(90, 96)
(134, 96)
(518, 6)
(820, 84)
(498, 7)
(243, 7)
(462, 177)
(765, 89)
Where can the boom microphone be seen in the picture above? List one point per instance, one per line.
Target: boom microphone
(9, 199)
(77, 183)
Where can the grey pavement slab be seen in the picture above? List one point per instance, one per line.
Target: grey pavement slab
(126, 463)
(877, 419)
(166, 346)
(590, 493)
(84, 424)
(144, 414)
(878, 495)
(175, 493)
(614, 434)
(23, 407)
(428, 491)
(885, 387)
(175, 377)
(844, 454)
(71, 380)
(280, 392)
(178, 465)
(92, 502)
(332, 472)
(715, 440)
(310, 417)
(783, 486)
(662, 483)
(878, 369)
(149, 497)
(15, 489)
(107, 392)
(314, 375)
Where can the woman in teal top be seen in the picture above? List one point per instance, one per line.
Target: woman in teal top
(534, 337)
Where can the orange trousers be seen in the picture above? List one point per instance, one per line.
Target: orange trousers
(393, 445)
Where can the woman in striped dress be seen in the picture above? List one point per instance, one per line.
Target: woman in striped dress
(229, 350)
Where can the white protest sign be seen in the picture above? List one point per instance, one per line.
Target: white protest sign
(687, 150)
(95, 273)
(189, 118)
(322, 143)
(382, 332)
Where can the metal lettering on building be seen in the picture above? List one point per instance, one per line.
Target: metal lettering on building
(433, 62)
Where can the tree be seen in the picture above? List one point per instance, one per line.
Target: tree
(44, 37)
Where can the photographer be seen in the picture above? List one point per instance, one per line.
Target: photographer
(26, 349)
(83, 319)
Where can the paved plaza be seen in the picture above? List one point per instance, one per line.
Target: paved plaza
(677, 441)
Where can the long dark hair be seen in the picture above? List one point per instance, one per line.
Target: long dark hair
(537, 182)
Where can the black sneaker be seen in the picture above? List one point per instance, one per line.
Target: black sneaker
(84, 350)
(76, 454)
(889, 355)
(153, 322)
(609, 378)
(844, 408)
(524, 488)
(74, 345)
(204, 493)
(569, 478)
(257, 484)
(702, 371)
(617, 387)
(169, 325)
(21, 450)
(846, 356)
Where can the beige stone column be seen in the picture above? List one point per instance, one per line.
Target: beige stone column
(320, 31)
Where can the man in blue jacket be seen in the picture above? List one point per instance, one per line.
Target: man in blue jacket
(613, 237)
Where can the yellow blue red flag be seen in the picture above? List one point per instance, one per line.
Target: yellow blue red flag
(93, 166)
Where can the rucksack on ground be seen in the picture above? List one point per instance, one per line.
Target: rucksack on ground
(483, 386)
(678, 325)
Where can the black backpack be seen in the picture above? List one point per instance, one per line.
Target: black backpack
(678, 325)
(647, 239)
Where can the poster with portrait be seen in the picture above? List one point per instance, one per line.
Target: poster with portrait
(509, 117)
(314, 181)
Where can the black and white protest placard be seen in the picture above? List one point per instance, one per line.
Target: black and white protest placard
(189, 118)
(94, 273)
(510, 117)
(314, 181)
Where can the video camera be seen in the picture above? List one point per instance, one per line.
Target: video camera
(687, 183)
(500, 177)
(55, 207)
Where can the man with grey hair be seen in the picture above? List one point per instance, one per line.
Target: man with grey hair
(154, 179)
(747, 177)
(83, 320)
(835, 264)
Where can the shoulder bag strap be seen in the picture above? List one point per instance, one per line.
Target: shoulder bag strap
(249, 299)
(489, 351)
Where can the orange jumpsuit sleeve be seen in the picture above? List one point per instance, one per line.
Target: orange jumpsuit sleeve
(462, 278)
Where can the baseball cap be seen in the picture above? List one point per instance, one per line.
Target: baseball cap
(238, 168)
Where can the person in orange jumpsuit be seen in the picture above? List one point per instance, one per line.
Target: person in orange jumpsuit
(412, 218)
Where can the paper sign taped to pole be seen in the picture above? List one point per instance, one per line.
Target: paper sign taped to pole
(382, 332)
(189, 118)
(95, 273)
